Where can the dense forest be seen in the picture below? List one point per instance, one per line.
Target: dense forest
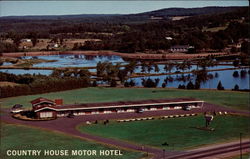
(136, 32)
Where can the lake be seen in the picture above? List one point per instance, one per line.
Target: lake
(228, 81)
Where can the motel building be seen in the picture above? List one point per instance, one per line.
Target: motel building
(45, 108)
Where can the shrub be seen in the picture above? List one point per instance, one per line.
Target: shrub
(132, 83)
(126, 84)
(236, 74)
(243, 73)
(219, 86)
(113, 83)
(197, 84)
(94, 84)
(181, 86)
(163, 85)
(236, 88)
(190, 85)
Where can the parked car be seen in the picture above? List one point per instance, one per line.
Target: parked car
(17, 108)
(187, 108)
(139, 110)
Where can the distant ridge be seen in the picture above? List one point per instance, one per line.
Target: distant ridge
(167, 12)
(189, 11)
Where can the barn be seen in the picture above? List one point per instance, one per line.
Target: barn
(45, 108)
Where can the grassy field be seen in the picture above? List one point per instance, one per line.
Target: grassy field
(215, 29)
(15, 137)
(179, 133)
(244, 156)
(237, 100)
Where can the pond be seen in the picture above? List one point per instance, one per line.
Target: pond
(226, 78)
(6, 64)
(30, 71)
(75, 60)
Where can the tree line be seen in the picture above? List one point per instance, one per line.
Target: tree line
(141, 37)
(36, 84)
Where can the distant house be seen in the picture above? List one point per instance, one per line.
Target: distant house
(180, 48)
(26, 40)
(156, 18)
(52, 46)
(169, 38)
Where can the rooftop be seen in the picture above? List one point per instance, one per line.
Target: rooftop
(124, 103)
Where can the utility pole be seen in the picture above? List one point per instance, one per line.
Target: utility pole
(163, 153)
(240, 147)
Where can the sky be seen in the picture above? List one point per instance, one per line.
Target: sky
(20, 8)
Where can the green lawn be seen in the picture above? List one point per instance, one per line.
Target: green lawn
(244, 156)
(237, 100)
(179, 133)
(15, 137)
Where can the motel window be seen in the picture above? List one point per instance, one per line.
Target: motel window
(46, 114)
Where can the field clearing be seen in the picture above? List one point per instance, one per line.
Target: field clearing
(42, 43)
(215, 29)
(178, 134)
(238, 100)
(15, 137)
(4, 84)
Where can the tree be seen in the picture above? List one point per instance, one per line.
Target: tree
(236, 74)
(17, 40)
(84, 73)
(181, 86)
(243, 73)
(157, 80)
(132, 83)
(149, 66)
(94, 84)
(245, 47)
(149, 83)
(34, 41)
(100, 68)
(131, 66)
(216, 75)
(156, 68)
(219, 86)
(236, 63)
(168, 67)
(236, 88)
(122, 75)
(190, 85)
(197, 84)
(113, 83)
(126, 84)
(56, 73)
(163, 85)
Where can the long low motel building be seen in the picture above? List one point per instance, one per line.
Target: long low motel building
(45, 108)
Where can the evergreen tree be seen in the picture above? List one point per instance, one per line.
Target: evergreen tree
(219, 86)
